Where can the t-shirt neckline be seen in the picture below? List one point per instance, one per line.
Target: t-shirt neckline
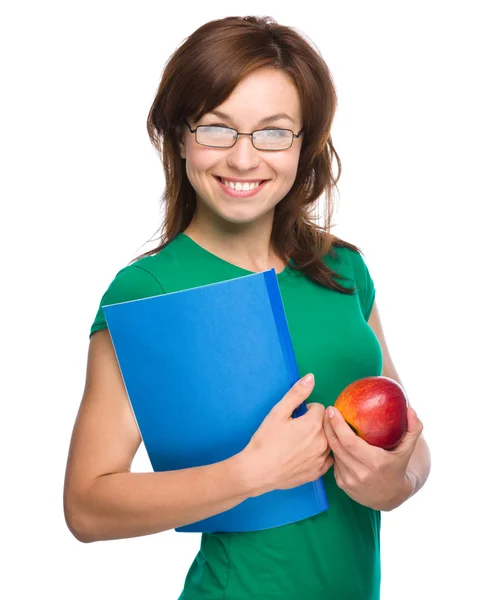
(281, 275)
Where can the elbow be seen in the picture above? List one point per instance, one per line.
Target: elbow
(77, 523)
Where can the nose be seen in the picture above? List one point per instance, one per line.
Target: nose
(243, 156)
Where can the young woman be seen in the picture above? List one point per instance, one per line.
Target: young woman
(242, 122)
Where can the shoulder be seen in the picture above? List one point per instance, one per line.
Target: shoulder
(346, 260)
(345, 252)
(350, 256)
(133, 282)
(349, 261)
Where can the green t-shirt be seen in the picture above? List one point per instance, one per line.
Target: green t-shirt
(334, 555)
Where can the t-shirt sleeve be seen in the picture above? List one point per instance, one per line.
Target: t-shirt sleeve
(364, 284)
(130, 283)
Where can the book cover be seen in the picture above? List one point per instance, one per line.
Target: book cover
(202, 368)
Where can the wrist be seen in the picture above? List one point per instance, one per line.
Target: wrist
(403, 493)
(246, 470)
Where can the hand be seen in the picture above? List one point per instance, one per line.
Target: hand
(370, 475)
(285, 452)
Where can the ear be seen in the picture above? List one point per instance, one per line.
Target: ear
(180, 140)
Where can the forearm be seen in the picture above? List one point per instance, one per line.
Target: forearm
(418, 470)
(419, 464)
(123, 505)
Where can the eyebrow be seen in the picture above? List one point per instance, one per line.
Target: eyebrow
(275, 117)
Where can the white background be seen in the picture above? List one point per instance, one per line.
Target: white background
(80, 191)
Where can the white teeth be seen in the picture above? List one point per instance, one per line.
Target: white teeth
(245, 187)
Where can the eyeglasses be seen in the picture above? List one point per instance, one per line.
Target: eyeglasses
(217, 136)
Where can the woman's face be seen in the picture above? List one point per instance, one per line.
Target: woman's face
(261, 94)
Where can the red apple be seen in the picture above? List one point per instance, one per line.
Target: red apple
(376, 410)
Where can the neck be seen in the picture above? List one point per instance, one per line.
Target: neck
(248, 247)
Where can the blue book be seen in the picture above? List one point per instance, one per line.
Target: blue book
(202, 368)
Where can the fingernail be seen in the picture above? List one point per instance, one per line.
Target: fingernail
(307, 379)
(331, 412)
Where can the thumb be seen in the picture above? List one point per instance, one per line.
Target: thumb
(414, 424)
(414, 429)
(296, 395)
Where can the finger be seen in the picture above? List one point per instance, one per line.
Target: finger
(316, 411)
(338, 474)
(342, 455)
(414, 431)
(293, 398)
(327, 464)
(414, 424)
(313, 405)
(348, 440)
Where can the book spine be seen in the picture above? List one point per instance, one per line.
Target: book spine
(279, 315)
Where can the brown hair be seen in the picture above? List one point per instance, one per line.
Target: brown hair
(199, 76)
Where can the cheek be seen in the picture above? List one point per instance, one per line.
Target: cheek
(197, 164)
(200, 160)
(286, 163)
(287, 169)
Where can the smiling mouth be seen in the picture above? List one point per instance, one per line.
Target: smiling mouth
(230, 183)
(239, 192)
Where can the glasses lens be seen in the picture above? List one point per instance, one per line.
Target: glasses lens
(273, 139)
(216, 136)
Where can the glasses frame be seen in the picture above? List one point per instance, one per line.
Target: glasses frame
(295, 135)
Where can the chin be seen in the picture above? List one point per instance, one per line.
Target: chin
(241, 217)
(236, 211)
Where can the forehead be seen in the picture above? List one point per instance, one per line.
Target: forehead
(260, 94)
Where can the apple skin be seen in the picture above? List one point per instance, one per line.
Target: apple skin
(376, 410)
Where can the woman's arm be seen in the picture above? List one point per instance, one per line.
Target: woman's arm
(122, 505)
(103, 500)
(418, 469)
